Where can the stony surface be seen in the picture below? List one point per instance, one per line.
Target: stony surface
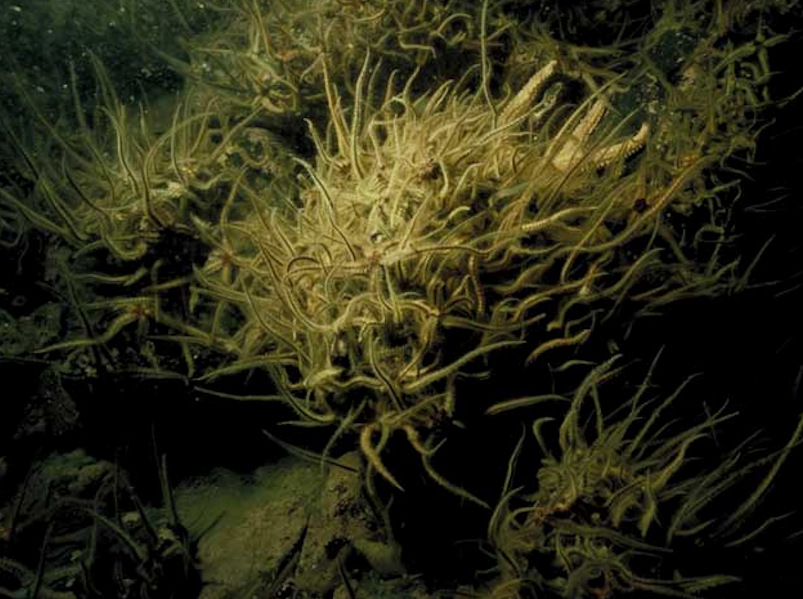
(287, 526)
(250, 522)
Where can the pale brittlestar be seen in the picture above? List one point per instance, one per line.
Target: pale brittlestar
(573, 148)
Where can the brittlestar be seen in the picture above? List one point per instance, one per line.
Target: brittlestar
(574, 148)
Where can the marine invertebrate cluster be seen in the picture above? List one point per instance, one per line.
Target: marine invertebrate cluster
(451, 219)
(94, 535)
(618, 495)
(400, 227)
(428, 220)
(270, 57)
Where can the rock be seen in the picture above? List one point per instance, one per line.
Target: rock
(345, 522)
(249, 523)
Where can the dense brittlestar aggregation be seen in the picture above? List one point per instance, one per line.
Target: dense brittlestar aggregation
(615, 493)
(433, 218)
